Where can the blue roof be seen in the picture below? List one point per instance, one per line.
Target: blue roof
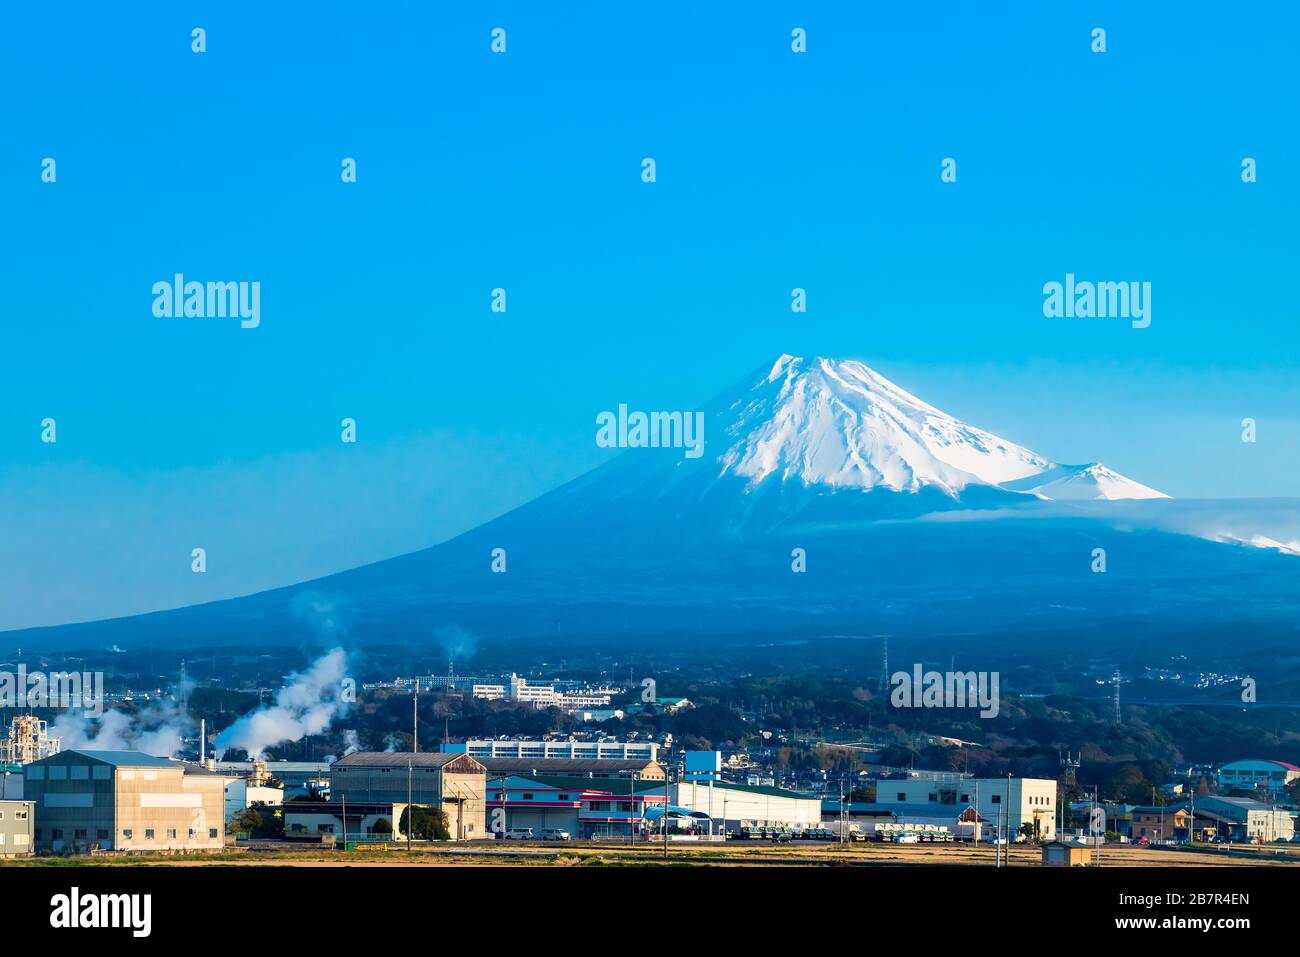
(130, 759)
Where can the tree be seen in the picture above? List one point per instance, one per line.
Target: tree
(430, 824)
(383, 826)
(246, 821)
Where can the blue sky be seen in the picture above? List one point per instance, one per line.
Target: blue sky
(522, 171)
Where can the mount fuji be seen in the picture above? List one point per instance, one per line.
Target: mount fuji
(827, 498)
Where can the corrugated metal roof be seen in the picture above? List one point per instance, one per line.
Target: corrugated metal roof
(127, 759)
(396, 759)
(563, 766)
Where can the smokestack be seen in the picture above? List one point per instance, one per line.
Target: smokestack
(203, 739)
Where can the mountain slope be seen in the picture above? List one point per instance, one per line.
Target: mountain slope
(907, 520)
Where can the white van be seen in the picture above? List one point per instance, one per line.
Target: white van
(555, 834)
(519, 834)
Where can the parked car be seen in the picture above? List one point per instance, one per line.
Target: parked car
(519, 834)
(555, 834)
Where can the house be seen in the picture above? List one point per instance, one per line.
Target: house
(1066, 854)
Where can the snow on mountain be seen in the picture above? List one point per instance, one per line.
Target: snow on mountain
(840, 424)
(1074, 482)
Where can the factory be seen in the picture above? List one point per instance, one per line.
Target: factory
(123, 801)
(581, 807)
(454, 783)
(17, 824)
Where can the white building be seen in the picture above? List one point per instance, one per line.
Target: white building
(732, 806)
(242, 794)
(1014, 801)
(603, 750)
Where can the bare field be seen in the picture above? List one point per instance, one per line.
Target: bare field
(732, 854)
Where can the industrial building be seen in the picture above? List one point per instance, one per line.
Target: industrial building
(28, 740)
(17, 828)
(124, 801)
(1243, 819)
(241, 794)
(594, 750)
(732, 806)
(582, 807)
(640, 769)
(365, 821)
(453, 783)
(1006, 802)
(1269, 777)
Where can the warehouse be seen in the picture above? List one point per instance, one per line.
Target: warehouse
(641, 770)
(732, 806)
(17, 821)
(454, 783)
(581, 807)
(125, 801)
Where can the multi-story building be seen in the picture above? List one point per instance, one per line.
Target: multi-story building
(1008, 802)
(124, 801)
(569, 750)
(1243, 819)
(17, 824)
(453, 783)
(1261, 776)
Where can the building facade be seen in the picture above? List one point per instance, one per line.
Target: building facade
(453, 783)
(17, 828)
(596, 750)
(584, 807)
(732, 806)
(1269, 777)
(1013, 802)
(123, 801)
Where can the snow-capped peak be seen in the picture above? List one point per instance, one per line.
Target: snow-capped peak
(1074, 482)
(839, 423)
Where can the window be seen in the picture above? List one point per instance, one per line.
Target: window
(171, 833)
(212, 832)
(191, 834)
(20, 815)
(965, 797)
(101, 834)
(148, 834)
(80, 772)
(101, 772)
(997, 799)
(934, 798)
(56, 834)
(902, 796)
(564, 797)
(528, 796)
(79, 834)
(35, 772)
(126, 834)
(58, 772)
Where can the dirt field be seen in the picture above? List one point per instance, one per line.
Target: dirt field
(731, 854)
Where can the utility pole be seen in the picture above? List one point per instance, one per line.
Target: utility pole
(345, 822)
(415, 719)
(668, 773)
(410, 807)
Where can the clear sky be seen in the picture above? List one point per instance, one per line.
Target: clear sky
(522, 170)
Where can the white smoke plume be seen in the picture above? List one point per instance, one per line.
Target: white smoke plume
(308, 704)
(156, 728)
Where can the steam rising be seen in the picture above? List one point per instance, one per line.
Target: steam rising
(308, 704)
